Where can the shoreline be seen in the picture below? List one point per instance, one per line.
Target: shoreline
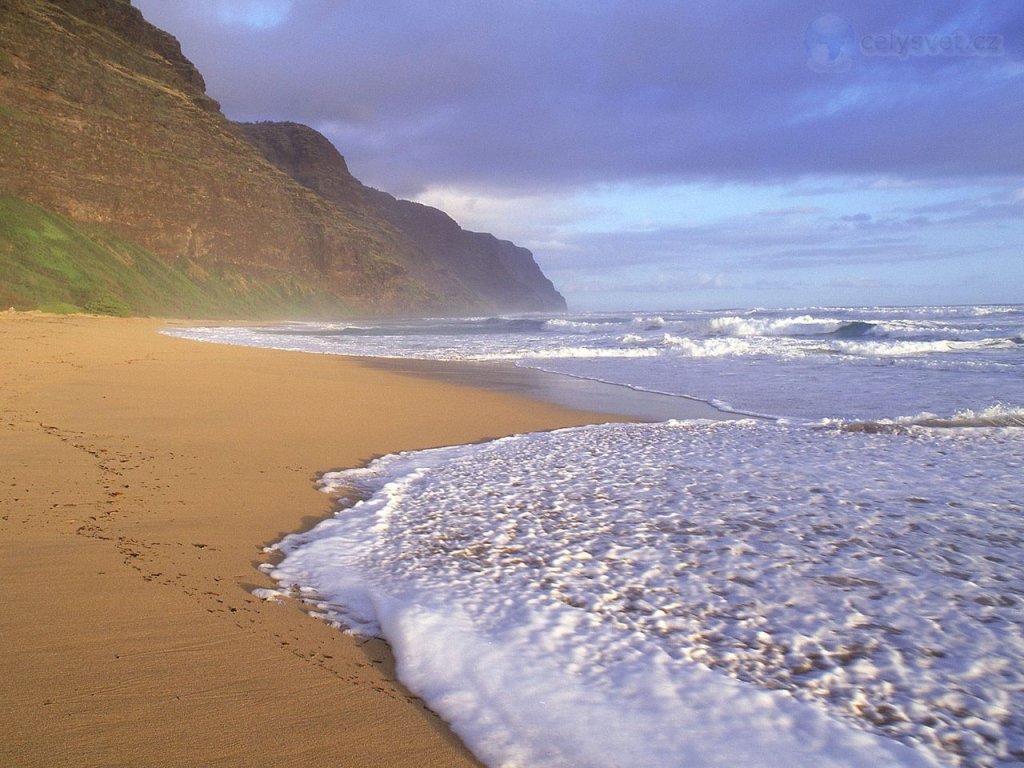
(145, 473)
(559, 389)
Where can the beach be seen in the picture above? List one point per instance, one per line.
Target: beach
(813, 519)
(843, 570)
(142, 477)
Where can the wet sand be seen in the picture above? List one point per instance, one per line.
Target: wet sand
(141, 477)
(566, 391)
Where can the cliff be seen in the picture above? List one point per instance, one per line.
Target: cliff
(500, 272)
(107, 135)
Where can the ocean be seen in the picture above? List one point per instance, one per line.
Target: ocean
(821, 564)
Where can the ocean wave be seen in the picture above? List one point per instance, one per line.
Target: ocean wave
(985, 311)
(941, 329)
(854, 329)
(574, 352)
(715, 347)
(649, 323)
(998, 415)
(511, 324)
(802, 325)
(779, 348)
(593, 325)
(898, 348)
(563, 325)
(311, 330)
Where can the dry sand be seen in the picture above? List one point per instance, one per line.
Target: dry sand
(140, 476)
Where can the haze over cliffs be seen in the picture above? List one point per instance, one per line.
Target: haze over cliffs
(124, 189)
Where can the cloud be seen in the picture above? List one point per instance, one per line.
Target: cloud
(656, 285)
(535, 220)
(792, 211)
(255, 14)
(531, 96)
(750, 249)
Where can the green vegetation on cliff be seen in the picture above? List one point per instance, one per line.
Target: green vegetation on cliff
(51, 263)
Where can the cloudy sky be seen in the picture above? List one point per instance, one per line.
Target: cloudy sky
(667, 154)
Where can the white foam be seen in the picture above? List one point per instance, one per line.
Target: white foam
(580, 326)
(784, 326)
(270, 595)
(682, 345)
(998, 415)
(569, 353)
(696, 594)
(653, 323)
(916, 348)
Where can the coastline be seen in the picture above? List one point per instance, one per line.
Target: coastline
(143, 475)
(559, 389)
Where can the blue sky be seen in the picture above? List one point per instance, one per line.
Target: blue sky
(659, 155)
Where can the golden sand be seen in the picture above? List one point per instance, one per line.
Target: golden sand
(140, 477)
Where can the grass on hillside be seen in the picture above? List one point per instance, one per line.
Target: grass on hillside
(51, 263)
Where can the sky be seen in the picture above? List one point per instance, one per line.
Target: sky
(666, 155)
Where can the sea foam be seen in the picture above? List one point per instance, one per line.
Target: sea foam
(695, 593)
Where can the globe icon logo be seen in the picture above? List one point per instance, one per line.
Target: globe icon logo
(829, 44)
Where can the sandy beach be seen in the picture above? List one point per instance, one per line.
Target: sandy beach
(142, 475)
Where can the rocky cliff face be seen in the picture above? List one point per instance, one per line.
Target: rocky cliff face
(102, 120)
(498, 271)
(127, 22)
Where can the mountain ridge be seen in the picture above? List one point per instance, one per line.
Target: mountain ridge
(117, 134)
(474, 258)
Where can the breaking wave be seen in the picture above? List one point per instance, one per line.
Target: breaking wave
(854, 330)
(713, 347)
(802, 325)
(999, 415)
(914, 348)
